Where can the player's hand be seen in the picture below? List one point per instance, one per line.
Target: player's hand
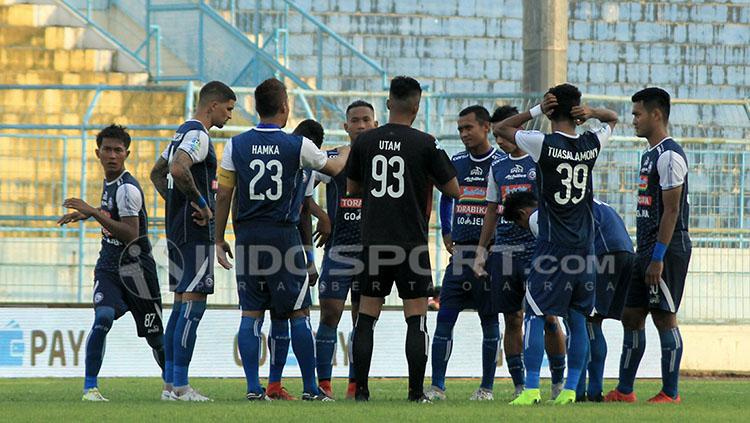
(81, 206)
(222, 251)
(322, 231)
(312, 274)
(581, 114)
(653, 273)
(478, 267)
(202, 215)
(548, 104)
(448, 242)
(71, 217)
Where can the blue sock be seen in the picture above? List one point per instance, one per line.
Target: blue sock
(325, 348)
(490, 345)
(598, 356)
(515, 367)
(671, 354)
(303, 345)
(248, 342)
(533, 349)
(103, 318)
(184, 339)
(351, 357)
(578, 349)
(633, 347)
(169, 341)
(442, 345)
(581, 388)
(278, 346)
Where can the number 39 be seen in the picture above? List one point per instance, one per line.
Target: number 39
(573, 177)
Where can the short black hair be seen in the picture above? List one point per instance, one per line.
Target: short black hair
(653, 97)
(359, 103)
(480, 113)
(568, 96)
(215, 91)
(502, 113)
(116, 132)
(311, 130)
(270, 95)
(403, 91)
(516, 201)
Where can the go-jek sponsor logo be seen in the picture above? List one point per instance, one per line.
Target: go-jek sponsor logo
(52, 348)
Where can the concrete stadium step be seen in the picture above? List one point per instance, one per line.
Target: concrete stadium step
(51, 77)
(76, 60)
(28, 14)
(49, 37)
(170, 104)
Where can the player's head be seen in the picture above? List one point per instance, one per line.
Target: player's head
(112, 148)
(500, 114)
(404, 96)
(217, 100)
(650, 110)
(473, 126)
(568, 96)
(311, 130)
(271, 101)
(360, 117)
(518, 206)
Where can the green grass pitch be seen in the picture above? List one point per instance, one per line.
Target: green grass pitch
(136, 399)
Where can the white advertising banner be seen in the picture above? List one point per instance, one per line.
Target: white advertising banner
(51, 342)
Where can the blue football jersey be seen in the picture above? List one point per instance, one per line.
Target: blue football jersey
(191, 137)
(468, 210)
(345, 211)
(611, 235)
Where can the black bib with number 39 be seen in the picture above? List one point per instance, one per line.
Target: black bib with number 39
(566, 195)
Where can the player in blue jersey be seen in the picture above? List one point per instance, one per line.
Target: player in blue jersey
(614, 252)
(561, 281)
(268, 168)
(185, 176)
(338, 274)
(663, 249)
(125, 276)
(461, 289)
(510, 260)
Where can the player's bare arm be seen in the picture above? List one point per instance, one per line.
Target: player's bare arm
(671, 200)
(305, 224)
(488, 229)
(508, 127)
(336, 165)
(450, 188)
(323, 227)
(223, 205)
(583, 113)
(159, 176)
(125, 230)
(183, 180)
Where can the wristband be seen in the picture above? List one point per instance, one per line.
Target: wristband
(202, 202)
(536, 111)
(310, 255)
(659, 250)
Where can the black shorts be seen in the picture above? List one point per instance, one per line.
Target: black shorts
(668, 294)
(408, 267)
(612, 280)
(134, 290)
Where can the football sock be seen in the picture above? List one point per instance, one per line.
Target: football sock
(157, 348)
(103, 318)
(533, 351)
(248, 342)
(278, 346)
(556, 368)
(671, 354)
(363, 334)
(515, 367)
(303, 345)
(169, 343)
(581, 387)
(442, 345)
(490, 345)
(351, 356)
(184, 339)
(578, 349)
(325, 348)
(633, 347)
(417, 341)
(598, 356)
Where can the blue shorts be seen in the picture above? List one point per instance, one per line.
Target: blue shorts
(612, 280)
(271, 268)
(339, 274)
(461, 289)
(137, 292)
(191, 267)
(561, 279)
(508, 276)
(668, 295)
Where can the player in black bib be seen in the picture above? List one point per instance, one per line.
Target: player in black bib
(393, 168)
